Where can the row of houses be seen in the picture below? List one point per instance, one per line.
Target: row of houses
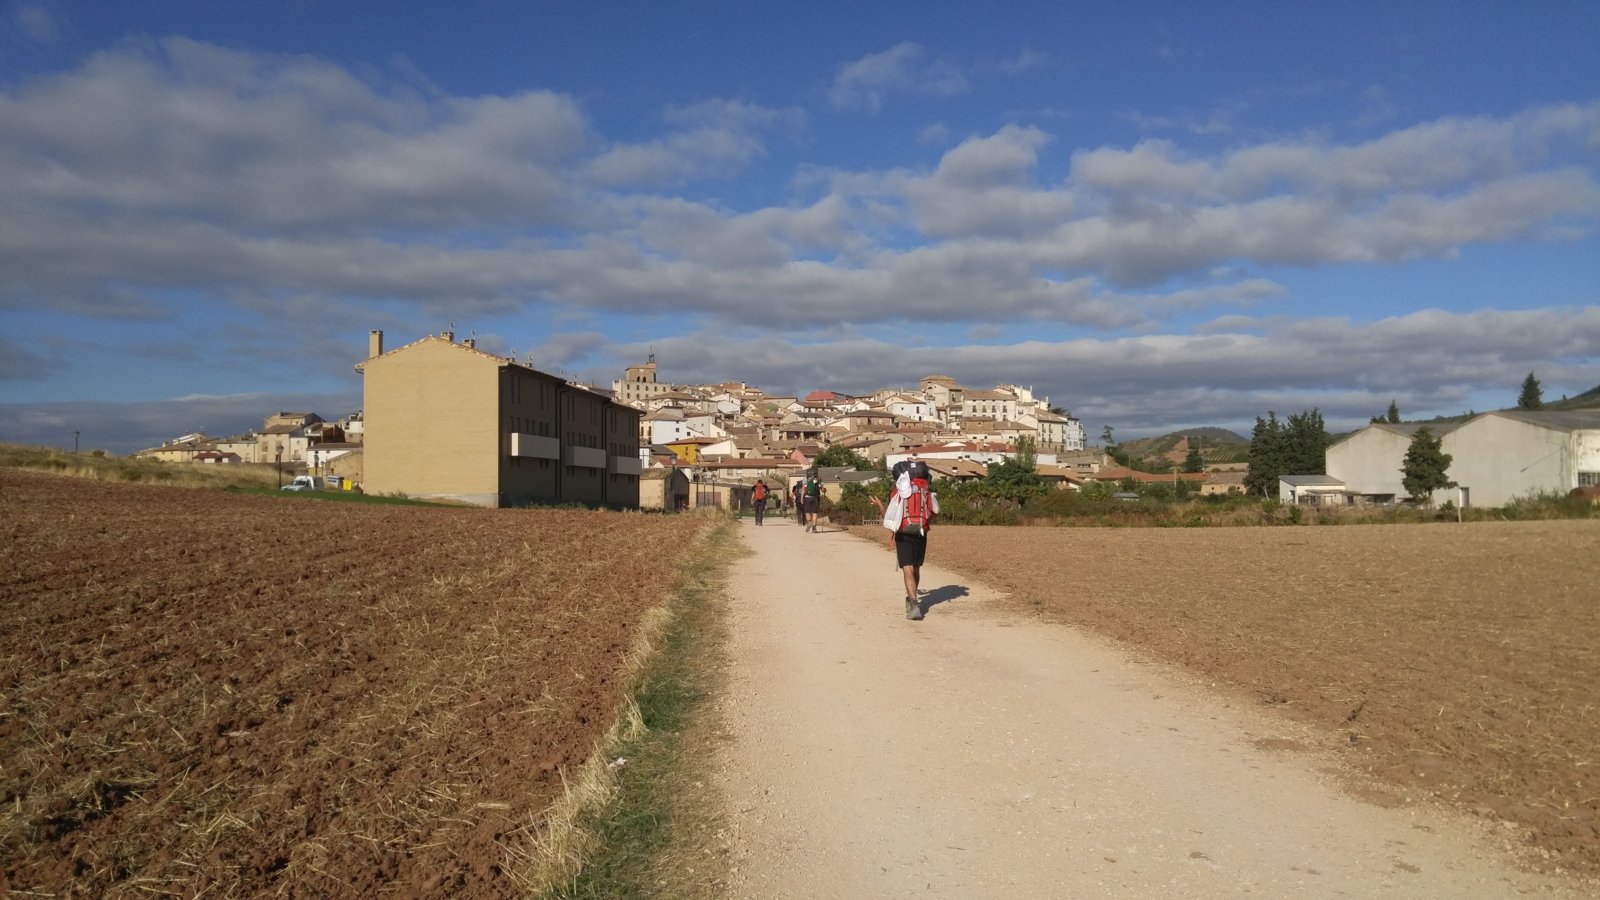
(764, 424)
(445, 419)
(293, 439)
(1496, 458)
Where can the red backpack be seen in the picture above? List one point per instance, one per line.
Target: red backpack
(761, 490)
(916, 508)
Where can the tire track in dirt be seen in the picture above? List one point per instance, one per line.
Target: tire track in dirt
(977, 754)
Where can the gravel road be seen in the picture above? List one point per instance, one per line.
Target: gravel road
(978, 754)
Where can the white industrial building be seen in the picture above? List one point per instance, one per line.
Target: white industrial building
(1495, 458)
(1368, 462)
(1501, 456)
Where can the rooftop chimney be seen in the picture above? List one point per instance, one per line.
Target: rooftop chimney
(470, 343)
(448, 335)
(374, 344)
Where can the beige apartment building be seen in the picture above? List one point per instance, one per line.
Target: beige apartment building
(446, 420)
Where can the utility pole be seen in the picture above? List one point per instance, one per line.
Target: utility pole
(74, 441)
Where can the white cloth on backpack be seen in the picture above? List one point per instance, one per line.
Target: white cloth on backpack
(894, 510)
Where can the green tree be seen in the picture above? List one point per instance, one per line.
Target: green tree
(1306, 449)
(1027, 455)
(1394, 413)
(1426, 466)
(1268, 445)
(1298, 446)
(1105, 437)
(840, 456)
(1016, 478)
(1532, 396)
(1194, 462)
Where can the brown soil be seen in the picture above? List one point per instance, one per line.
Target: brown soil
(1458, 661)
(225, 694)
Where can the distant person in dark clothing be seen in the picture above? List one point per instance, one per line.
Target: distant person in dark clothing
(759, 495)
(813, 500)
(799, 493)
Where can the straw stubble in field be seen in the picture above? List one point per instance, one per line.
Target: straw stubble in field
(1460, 661)
(205, 692)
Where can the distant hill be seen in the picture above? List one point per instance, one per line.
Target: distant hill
(1589, 399)
(1217, 445)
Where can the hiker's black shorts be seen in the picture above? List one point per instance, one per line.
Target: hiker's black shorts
(811, 504)
(910, 549)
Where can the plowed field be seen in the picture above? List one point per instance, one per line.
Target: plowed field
(205, 693)
(1455, 661)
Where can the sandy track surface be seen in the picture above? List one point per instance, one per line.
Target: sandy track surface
(976, 754)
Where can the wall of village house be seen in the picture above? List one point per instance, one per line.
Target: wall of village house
(528, 410)
(433, 424)
(622, 452)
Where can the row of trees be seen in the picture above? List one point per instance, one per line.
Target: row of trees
(1298, 446)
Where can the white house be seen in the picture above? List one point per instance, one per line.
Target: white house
(917, 409)
(1369, 461)
(981, 453)
(1500, 456)
(1000, 406)
(1313, 490)
(1495, 458)
(674, 423)
(1061, 432)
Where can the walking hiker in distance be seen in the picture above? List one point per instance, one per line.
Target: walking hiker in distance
(759, 495)
(799, 493)
(909, 517)
(813, 495)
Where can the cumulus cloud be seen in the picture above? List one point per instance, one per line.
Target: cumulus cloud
(715, 138)
(124, 428)
(905, 68)
(1433, 361)
(18, 363)
(160, 174)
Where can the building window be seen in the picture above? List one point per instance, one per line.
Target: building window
(1589, 479)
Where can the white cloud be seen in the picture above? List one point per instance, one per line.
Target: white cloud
(1432, 361)
(906, 68)
(36, 22)
(184, 170)
(128, 427)
(1025, 60)
(716, 138)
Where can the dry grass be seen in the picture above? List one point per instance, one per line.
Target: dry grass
(99, 466)
(1458, 661)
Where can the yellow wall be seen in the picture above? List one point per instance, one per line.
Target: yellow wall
(432, 423)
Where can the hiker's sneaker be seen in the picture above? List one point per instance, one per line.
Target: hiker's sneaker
(913, 611)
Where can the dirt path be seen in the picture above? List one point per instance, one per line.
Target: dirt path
(975, 754)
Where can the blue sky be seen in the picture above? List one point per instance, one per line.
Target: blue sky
(1162, 215)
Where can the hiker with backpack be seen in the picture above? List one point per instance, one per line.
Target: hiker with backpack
(909, 515)
(759, 495)
(813, 499)
(799, 493)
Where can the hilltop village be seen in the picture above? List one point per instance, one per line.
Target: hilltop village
(444, 418)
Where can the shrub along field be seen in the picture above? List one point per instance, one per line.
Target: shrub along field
(1459, 661)
(207, 692)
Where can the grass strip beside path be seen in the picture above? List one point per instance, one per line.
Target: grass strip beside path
(659, 836)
